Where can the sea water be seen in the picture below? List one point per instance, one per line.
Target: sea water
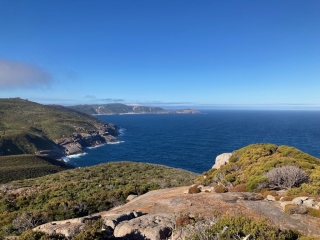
(192, 142)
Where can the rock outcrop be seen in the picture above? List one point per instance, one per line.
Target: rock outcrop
(106, 133)
(222, 159)
(153, 215)
(150, 226)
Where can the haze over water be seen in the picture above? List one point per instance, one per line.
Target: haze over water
(192, 142)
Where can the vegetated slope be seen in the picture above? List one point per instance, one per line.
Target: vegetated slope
(248, 167)
(16, 167)
(119, 108)
(79, 192)
(27, 127)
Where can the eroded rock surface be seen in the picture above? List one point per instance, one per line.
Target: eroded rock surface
(172, 202)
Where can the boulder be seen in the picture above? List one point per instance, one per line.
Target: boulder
(222, 159)
(153, 227)
(271, 198)
(206, 189)
(131, 197)
(311, 203)
(111, 220)
(299, 200)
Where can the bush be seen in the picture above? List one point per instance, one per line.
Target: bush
(286, 177)
(295, 209)
(238, 188)
(238, 227)
(220, 188)
(183, 221)
(194, 189)
(314, 212)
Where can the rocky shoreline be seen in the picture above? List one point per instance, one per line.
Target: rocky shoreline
(76, 143)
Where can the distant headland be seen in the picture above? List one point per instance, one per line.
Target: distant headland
(119, 108)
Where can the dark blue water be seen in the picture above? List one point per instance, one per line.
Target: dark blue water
(192, 142)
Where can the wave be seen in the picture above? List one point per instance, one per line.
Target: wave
(121, 131)
(115, 142)
(67, 158)
(96, 146)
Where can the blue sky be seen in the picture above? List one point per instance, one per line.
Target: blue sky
(202, 54)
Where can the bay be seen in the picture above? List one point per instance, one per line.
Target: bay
(192, 142)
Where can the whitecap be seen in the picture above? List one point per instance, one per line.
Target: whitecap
(115, 142)
(121, 131)
(67, 158)
(96, 146)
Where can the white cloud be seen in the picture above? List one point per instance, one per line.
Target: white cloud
(22, 75)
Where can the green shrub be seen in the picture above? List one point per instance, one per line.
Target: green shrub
(92, 230)
(240, 226)
(256, 183)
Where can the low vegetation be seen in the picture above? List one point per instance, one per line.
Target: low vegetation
(242, 227)
(260, 166)
(16, 167)
(75, 193)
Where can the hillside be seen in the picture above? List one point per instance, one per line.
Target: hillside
(48, 130)
(239, 201)
(23, 166)
(118, 108)
(260, 166)
(81, 191)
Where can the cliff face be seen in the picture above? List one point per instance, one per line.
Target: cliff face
(75, 144)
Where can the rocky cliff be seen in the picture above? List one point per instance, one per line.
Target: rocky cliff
(75, 144)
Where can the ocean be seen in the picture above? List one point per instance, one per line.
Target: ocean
(192, 142)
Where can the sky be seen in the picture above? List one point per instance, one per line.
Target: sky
(207, 54)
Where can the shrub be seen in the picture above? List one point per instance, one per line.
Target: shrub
(238, 227)
(295, 209)
(256, 183)
(238, 188)
(194, 189)
(268, 192)
(220, 188)
(286, 177)
(92, 230)
(314, 212)
(286, 198)
(183, 221)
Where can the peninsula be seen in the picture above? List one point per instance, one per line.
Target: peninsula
(119, 108)
(49, 130)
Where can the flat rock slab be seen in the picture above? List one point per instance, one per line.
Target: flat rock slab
(173, 200)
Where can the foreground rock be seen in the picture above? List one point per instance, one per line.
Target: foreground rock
(154, 213)
(150, 226)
